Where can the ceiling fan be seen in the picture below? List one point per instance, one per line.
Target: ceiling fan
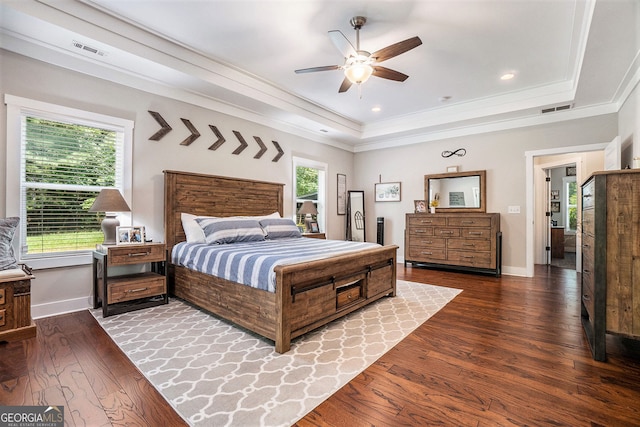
(359, 64)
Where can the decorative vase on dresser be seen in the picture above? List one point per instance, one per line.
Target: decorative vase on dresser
(610, 297)
(462, 241)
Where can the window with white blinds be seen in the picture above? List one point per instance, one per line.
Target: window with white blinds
(64, 162)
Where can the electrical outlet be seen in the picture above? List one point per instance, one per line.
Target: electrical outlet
(514, 209)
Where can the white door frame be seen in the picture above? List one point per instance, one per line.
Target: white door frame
(530, 190)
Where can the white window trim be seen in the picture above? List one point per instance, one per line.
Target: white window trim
(565, 201)
(322, 189)
(16, 106)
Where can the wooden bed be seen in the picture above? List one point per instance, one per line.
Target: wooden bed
(308, 295)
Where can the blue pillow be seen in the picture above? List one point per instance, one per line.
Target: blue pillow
(230, 230)
(279, 228)
(8, 228)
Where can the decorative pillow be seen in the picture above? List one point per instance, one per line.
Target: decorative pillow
(191, 228)
(230, 230)
(8, 228)
(279, 228)
(194, 232)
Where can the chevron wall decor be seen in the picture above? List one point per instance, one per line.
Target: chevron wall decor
(165, 128)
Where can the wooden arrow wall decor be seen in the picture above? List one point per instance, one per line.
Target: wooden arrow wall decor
(220, 140)
(243, 143)
(164, 126)
(263, 148)
(280, 152)
(194, 133)
(165, 129)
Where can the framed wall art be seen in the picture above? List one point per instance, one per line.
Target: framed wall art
(387, 192)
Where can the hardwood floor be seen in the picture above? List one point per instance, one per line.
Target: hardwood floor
(506, 351)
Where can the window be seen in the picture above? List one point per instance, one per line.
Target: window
(310, 184)
(61, 159)
(571, 202)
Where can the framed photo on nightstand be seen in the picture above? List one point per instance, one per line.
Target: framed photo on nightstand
(130, 235)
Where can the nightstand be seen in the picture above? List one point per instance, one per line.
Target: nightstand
(15, 305)
(314, 235)
(122, 293)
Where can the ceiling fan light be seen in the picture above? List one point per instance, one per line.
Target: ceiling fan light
(358, 72)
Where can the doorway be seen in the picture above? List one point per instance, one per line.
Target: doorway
(538, 202)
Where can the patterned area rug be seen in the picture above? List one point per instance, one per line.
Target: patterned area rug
(216, 374)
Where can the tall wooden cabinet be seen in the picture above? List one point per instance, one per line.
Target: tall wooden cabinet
(463, 241)
(610, 297)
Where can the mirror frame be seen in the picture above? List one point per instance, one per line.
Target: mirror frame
(483, 189)
(350, 219)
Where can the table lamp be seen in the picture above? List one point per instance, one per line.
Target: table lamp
(109, 201)
(307, 209)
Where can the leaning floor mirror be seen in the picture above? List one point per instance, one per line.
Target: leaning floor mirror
(355, 216)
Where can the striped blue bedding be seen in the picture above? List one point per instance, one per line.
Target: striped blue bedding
(253, 263)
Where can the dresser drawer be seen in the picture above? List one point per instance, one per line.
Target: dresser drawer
(468, 222)
(420, 231)
(135, 254)
(427, 254)
(425, 220)
(587, 292)
(588, 195)
(469, 244)
(126, 288)
(470, 258)
(446, 232)
(588, 222)
(427, 242)
(476, 233)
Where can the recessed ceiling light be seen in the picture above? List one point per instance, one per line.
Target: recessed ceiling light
(376, 109)
(324, 131)
(507, 76)
(444, 98)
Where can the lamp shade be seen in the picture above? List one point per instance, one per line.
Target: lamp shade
(308, 208)
(109, 200)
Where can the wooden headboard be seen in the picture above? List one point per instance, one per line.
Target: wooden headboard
(210, 195)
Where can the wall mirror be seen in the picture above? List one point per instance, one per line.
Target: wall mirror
(457, 191)
(355, 216)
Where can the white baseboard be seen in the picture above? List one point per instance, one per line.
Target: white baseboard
(61, 307)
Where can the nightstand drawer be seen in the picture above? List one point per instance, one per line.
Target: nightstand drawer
(3, 318)
(135, 254)
(127, 288)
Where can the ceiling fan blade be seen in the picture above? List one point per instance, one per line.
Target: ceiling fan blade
(314, 69)
(346, 84)
(396, 49)
(389, 74)
(342, 43)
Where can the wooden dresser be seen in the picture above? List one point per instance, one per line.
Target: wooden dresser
(610, 297)
(463, 241)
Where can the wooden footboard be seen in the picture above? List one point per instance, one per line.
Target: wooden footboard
(308, 295)
(313, 294)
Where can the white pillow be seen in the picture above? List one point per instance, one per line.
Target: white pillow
(193, 231)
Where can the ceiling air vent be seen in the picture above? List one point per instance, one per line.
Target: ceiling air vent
(558, 108)
(89, 49)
